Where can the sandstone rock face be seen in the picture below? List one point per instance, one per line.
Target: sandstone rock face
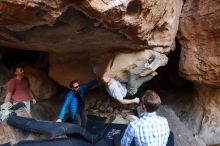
(153, 21)
(71, 67)
(19, 15)
(87, 68)
(121, 64)
(72, 33)
(200, 63)
(199, 36)
(182, 135)
(207, 114)
(65, 33)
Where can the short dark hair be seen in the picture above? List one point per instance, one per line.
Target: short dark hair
(17, 66)
(72, 82)
(151, 100)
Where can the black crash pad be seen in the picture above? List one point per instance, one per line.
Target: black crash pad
(6, 144)
(51, 128)
(60, 142)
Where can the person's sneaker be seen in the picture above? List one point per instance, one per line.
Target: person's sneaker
(147, 64)
(151, 59)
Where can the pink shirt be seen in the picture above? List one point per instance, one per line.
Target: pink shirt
(19, 89)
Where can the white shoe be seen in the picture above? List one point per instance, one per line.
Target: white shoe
(147, 65)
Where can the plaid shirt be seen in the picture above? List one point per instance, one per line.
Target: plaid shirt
(148, 130)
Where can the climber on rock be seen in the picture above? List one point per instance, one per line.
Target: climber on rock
(119, 90)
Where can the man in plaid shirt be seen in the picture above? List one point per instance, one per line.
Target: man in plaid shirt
(149, 129)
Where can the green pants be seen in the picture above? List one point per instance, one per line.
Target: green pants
(134, 83)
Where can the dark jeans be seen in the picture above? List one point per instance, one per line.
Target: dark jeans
(51, 128)
(80, 117)
(170, 139)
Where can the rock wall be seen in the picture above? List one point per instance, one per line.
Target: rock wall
(200, 62)
(58, 28)
(20, 15)
(199, 38)
(72, 32)
(148, 24)
(152, 21)
(210, 123)
(65, 68)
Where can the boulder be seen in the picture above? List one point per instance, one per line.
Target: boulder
(121, 64)
(151, 24)
(70, 36)
(154, 22)
(65, 69)
(30, 13)
(199, 38)
(92, 67)
(199, 62)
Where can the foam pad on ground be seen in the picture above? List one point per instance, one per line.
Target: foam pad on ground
(112, 131)
(51, 128)
(95, 124)
(60, 142)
